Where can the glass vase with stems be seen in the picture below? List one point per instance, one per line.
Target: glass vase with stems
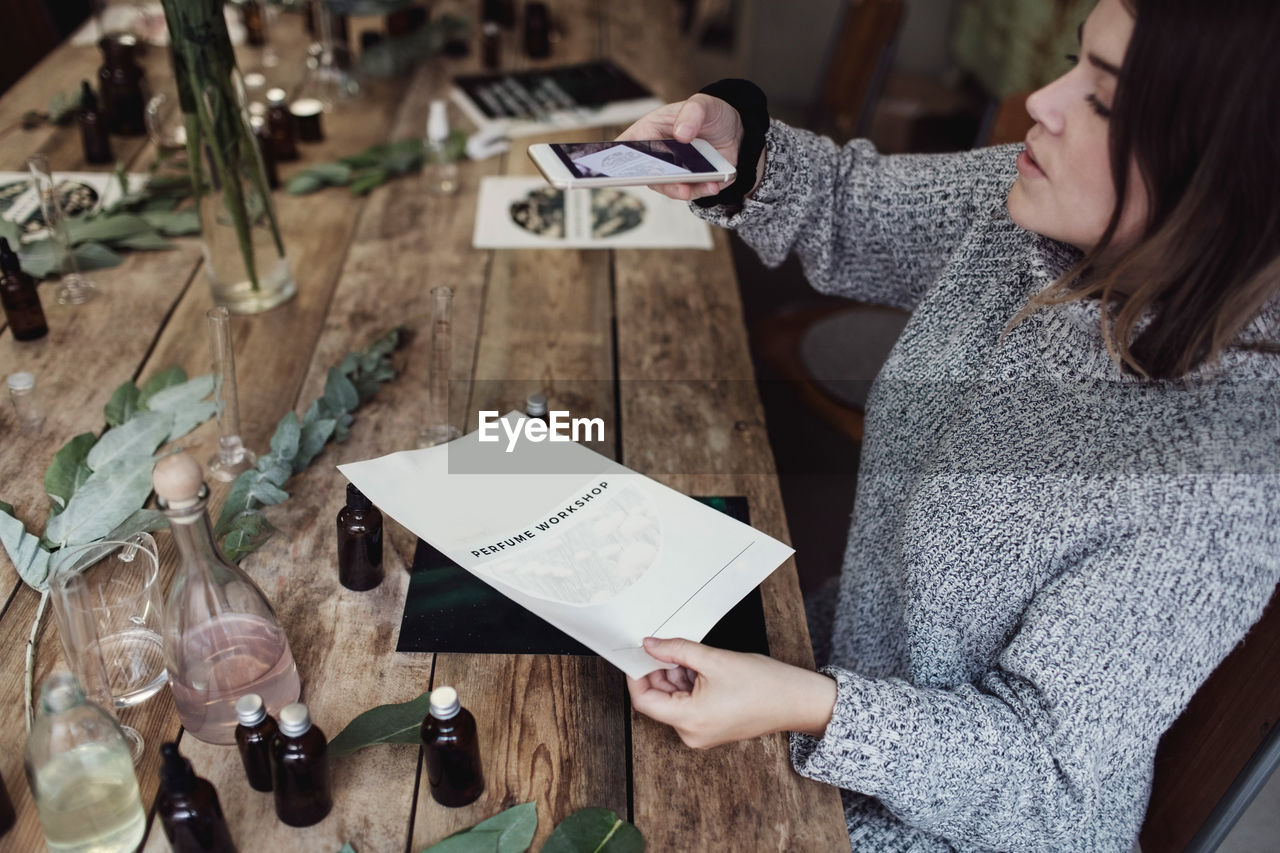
(244, 253)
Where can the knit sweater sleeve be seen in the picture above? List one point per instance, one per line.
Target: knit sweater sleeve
(1104, 659)
(867, 226)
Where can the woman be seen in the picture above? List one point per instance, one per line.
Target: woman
(1068, 509)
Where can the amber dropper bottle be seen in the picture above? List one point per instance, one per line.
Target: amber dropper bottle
(93, 127)
(189, 809)
(359, 542)
(20, 298)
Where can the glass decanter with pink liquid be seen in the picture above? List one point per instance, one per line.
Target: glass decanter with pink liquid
(221, 637)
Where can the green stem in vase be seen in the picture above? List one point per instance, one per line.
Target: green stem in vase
(205, 70)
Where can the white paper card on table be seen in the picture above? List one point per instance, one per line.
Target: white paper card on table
(607, 555)
(526, 213)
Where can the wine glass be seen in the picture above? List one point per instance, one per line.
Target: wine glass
(106, 603)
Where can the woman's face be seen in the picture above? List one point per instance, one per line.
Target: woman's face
(1064, 188)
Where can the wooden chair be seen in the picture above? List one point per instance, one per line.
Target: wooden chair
(856, 69)
(829, 356)
(1008, 120)
(1221, 751)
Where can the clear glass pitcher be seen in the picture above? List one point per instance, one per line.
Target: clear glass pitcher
(106, 603)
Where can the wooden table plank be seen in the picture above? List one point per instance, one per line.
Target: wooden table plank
(691, 418)
(551, 728)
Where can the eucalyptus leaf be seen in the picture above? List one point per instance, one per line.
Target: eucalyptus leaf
(187, 419)
(106, 228)
(95, 256)
(65, 473)
(347, 848)
(141, 521)
(138, 438)
(398, 723)
(304, 183)
(334, 173)
(123, 404)
(157, 204)
(179, 396)
(369, 181)
(173, 223)
(246, 533)
(238, 501)
(151, 242)
(284, 443)
(103, 503)
(386, 343)
(267, 493)
(510, 831)
(594, 830)
(314, 437)
(26, 553)
(274, 471)
(342, 429)
(166, 378)
(339, 392)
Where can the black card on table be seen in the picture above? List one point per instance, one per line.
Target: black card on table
(448, 609)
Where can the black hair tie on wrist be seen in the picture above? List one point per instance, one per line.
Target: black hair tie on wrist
(753, 109)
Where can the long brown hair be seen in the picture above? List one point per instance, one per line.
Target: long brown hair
(1198, 108)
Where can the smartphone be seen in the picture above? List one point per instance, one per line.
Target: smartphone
(569, 165)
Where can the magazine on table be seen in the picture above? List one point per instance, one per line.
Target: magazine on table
(525, 103)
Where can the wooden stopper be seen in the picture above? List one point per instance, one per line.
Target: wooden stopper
(177, 479)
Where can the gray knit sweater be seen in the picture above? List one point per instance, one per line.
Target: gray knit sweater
(1047, 556)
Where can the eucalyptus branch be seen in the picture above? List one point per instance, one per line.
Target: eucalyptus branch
(31, 655)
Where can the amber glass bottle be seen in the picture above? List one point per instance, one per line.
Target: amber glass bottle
(20, 298)
(7, 816)
(452, 750)
(359, 542)
(120, 84)
(93, 127)
(300, 769)
(189, 809)
(255, 27)
(253, 737)
(281, 127)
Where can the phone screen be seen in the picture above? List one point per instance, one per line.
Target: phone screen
(631, 159)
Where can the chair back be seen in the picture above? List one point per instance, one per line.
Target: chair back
(859, 61)
(1221, 750)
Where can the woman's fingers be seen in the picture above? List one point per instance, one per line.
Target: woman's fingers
(688, 121)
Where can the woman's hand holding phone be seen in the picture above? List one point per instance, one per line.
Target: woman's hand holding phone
(701, 116)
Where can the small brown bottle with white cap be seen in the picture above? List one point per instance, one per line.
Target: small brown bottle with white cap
(452, 750)
(253, 737)
(300, 769)
(281, 127)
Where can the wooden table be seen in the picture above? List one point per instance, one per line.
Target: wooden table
(651, 341)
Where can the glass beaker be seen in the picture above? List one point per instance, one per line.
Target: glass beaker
(73, 288)
(438, 430)
(106, 602)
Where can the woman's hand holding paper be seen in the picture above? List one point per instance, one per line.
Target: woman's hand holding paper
(715, 696)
